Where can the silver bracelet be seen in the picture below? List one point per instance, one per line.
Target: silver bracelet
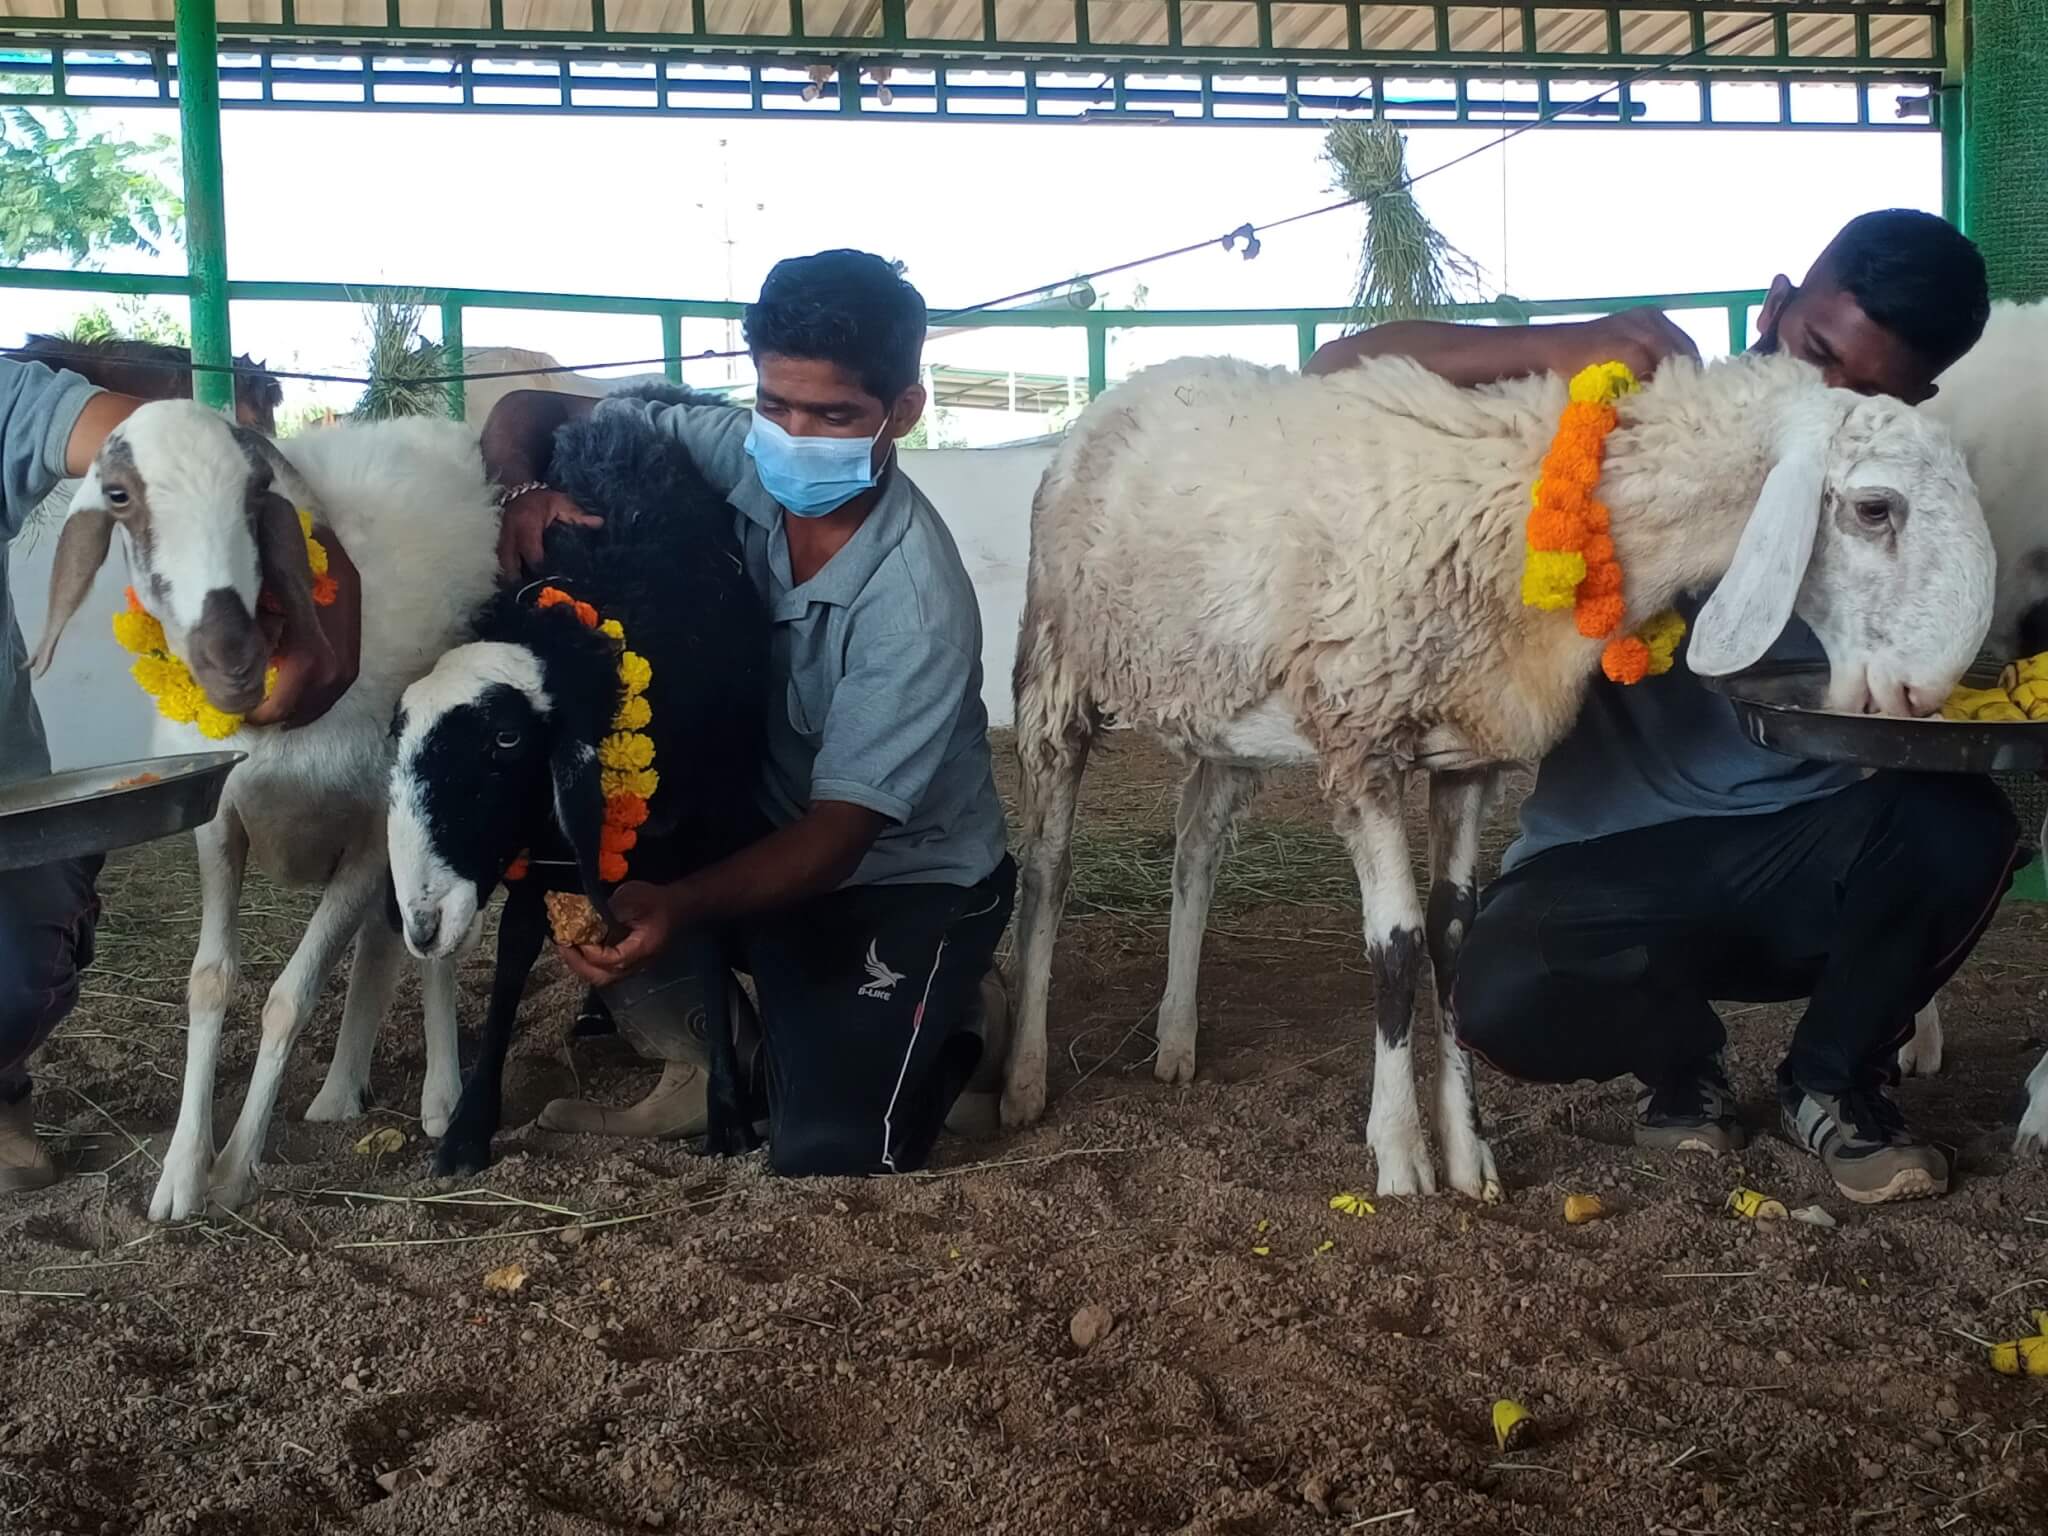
(511, 494)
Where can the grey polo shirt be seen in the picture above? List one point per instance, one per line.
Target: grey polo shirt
(38, 410)
(876, 668)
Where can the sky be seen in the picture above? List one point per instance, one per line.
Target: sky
(700, 209)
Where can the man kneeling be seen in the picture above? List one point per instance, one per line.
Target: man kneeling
(869, 909)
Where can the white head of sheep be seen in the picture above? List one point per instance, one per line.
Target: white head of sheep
(203, 517)
(1869, 529)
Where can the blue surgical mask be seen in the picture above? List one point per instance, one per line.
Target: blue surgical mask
(811, 476)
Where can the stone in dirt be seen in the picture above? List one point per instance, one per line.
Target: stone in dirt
(1091, 1325)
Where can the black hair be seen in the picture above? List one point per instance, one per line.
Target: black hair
(843, 307)
(1916, 275)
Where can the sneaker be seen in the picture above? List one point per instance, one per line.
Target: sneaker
(976, 1114)
(24, 1164)
(1862, 1140)
(1693, 1112)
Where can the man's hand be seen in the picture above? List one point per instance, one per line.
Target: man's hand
(649, 915)
(526, 519)
(1640, 338)
(311, 676)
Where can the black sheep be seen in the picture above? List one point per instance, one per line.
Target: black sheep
(498, 745)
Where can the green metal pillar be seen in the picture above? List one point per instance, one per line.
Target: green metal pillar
(206, 224)
(1951, 109)
(451, 349)
(2005, 145)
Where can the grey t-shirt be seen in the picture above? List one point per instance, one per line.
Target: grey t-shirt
(1666, 749)
(876, 668)
(38, 409)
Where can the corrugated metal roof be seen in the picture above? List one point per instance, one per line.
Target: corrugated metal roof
(1813, 36)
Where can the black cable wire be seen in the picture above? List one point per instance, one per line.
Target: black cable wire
(1247, 233)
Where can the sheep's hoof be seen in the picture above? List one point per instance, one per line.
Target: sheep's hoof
(336, 1101)
(461, 1154)
(181, 1190)
(1404, 1165)
(732, 1139)
(1921, 1055)
(1470, 1172)
(2032, 1137)
(1175, 1062)
(235, 1189)
(1023, 1103)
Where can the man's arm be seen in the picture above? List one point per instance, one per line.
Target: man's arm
(1471, 355)
(103, 412)
(813, 855)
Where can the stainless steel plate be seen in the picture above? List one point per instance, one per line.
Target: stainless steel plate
(95, 810)
(1779, 709)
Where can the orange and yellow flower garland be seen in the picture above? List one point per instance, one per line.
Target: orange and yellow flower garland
(166, 678)
(1571, 561)
(625, 757)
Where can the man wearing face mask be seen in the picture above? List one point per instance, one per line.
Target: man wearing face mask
(1665, 861)
(869, 910)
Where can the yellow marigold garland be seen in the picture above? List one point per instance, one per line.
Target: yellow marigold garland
(1570, 561)
(625, 757)
(166, 678)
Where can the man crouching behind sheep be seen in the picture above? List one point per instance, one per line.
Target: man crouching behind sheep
(870, 906)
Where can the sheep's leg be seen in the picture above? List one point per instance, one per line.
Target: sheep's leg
(188, 1163)
(372, 983)
(522, 928)
(1457, 805)
(1052, 785)
(1210, 802)
(1371, 828)
(2033, 1132)
(1921, 1055)
(350, 893)
(441, 1090)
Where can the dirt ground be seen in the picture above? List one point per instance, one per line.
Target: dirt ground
(697, 1347)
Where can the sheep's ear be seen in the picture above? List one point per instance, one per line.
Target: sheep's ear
(579, 812)
(1753, 603)
(287, 575)
(81, 551)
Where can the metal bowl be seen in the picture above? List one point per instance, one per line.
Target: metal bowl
(95, 810)
(1779, 708)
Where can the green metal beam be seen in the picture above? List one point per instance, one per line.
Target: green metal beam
(206, 222)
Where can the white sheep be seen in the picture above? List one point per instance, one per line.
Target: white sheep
(206, 516)
(1995, 404)
(1262, 569)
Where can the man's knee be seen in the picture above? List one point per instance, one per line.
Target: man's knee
(1959, 835)
(46, 941)
(1495, 998)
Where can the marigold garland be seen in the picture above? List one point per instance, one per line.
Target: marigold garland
(625, 757)
(1571, 560)
(166, 678)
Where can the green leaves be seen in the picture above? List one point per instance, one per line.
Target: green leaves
(77, 194)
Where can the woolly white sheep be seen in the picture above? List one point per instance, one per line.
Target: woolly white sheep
(1995, 404)
(1262, 568)
(205, 515)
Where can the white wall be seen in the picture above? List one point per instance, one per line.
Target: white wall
(94, 714)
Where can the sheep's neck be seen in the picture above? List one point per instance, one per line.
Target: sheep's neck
(1682, 475)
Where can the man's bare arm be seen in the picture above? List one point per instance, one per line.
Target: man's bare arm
(518, 439)
(103, 412)
(1471, 355)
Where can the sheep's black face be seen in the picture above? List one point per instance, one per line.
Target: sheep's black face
(469, 786)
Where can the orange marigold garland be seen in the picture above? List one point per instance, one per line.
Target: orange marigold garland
(1571, 560)
(625, 757)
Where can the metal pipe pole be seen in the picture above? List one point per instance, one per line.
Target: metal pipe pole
(206, 225)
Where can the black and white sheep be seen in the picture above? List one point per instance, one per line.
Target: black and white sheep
(497, 746)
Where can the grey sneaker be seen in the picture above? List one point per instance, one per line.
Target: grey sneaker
(1693, 1112)
(1862, 1140)
(24, 1162)
(976, 1114)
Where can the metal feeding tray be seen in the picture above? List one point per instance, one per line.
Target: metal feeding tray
(1779, 707)
(95, 810)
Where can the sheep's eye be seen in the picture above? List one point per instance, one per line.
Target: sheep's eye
(507, 740)
(116, 497)
(1875, 511)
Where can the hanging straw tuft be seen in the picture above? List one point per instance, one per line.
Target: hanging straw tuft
(1407, 270)
(399, 358)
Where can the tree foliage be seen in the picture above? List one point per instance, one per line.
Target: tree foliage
(131, 320)
(74, 193)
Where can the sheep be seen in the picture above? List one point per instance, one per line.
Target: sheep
(1261, 568)
(497, 746)
(205, 515)
(1995, 404)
